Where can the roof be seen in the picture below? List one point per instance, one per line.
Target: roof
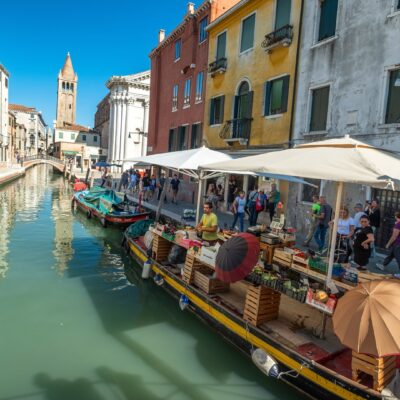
(180, 28)
(21, 108)
(140, 80)
(74, 127)
(67, 71)
(3, 68)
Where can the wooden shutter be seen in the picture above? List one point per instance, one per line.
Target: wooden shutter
(282, 16)
(327, 22)
(249, 105)
(267, 97)
(212, 110)
(285, 93)
(319, 109)
(221, 110)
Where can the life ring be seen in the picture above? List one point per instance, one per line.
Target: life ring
(88, 214)
(103, 222)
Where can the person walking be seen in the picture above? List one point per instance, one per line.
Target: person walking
(124, 179)
(239, 205)
(261, 201)
(132, 182)
(314, 220)
(104, 177)
(232, 189)
(273, 200)
(146, 186)
(175, 182)
(363, 238)
(324, 217)
(152, 187)
(208, 226)
(161, 183)
(374, 214)
(251, 205)
(358, 213)
(393, 244)
(345, 231)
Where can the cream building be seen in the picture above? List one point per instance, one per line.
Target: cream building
(129, 116)
(4, 76)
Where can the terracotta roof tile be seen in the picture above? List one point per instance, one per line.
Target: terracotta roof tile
(19, 107)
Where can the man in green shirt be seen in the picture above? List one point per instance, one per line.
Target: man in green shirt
(208, 225)
(315, 210)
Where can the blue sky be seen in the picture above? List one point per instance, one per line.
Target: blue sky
(106, 38)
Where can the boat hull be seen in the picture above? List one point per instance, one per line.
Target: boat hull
(314, 379)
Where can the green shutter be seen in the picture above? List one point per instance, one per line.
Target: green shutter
(393, 102)
(285, 93)
(221, 46)
(247, 39)
(319, 109)
(267, 97)
(221, 110)
(282, 16)
(249, 105)
(212, 110)
(327, 21)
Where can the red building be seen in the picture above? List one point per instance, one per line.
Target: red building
(178, 74)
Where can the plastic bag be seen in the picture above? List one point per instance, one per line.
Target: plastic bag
(177, 255)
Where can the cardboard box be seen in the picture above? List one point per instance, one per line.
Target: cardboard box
(208, 255)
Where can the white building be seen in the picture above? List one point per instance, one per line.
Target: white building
(129, 115)
(349, 83)
(4, 141)
(35, 126)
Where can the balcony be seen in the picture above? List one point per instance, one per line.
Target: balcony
(236, 130)
(217, 67)
(282, 37)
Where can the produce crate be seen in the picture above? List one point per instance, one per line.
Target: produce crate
(161, 248)
(209, 284)
(270, 250)
(282, 257)
(382, 369)
(318, 264)
(300, 262)
(262, 305)
(192, 264)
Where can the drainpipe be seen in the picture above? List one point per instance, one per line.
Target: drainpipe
(291, 133)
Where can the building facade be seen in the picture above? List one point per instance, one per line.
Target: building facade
(349, 83)
(12, 136)
(36, 129)
(251, 81)
(4, 80)
(128, 116)
(102, 123)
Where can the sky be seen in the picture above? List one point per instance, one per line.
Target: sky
(104, 38)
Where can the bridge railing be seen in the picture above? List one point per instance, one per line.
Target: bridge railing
(42, 157)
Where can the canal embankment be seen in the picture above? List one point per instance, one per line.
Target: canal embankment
(10, 174)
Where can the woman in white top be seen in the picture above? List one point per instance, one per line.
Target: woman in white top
(344, 232)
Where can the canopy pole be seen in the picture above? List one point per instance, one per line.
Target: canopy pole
(162, 198)
(339, 194)
(199, 193)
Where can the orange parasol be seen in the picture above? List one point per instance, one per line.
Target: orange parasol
(367, 318)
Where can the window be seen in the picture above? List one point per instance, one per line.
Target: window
(178, 45)
(175, 98)
(282, 16)
(95, 138)
(327, 19)
(72, 87)
(171, 140)
(186, 96)
(195, 138)
(84, 138)
(202, 30)
(398, 5)
(32, 116)
(247, 38)
(182, 138)
(276, 96)
(6, 82)
(221, 46)
(217, 110)
(61, 135)
(308, 191)
(63, 85)
(319, 109)
(393, 100)
(70, 106)
(72, 136)
(199, 86)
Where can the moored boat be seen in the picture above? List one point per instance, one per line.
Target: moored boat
(107, 207)
(280, 348)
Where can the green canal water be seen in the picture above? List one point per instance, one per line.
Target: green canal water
(78, 323)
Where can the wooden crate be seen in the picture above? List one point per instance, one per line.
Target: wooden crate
(262, 305)
(161, 248)
(192, 264)
(269, 251)
(209, 284)
(382, 369)
(282, 257)
(299, 262)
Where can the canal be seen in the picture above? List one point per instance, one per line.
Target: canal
(77, 322)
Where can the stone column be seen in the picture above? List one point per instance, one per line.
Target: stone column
(145, 127)
(114, 128)
(123, 131)
(129, 104)
(118, 131)
(111, 131)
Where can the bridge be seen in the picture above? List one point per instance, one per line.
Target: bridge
(30, 161)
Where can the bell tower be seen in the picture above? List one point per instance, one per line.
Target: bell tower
(66, 94)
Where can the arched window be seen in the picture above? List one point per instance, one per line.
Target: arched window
(63, 85)
(243, 88)
(72, 87)
(67, 85)
(243, 112)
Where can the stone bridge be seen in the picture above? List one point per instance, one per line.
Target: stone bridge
(30, 161)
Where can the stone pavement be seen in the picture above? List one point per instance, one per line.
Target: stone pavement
(10, 173)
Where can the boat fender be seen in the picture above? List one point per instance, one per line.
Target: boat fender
(103, 222)
(88, 214)
(146, 269)
(183, 302)
(265, 363)
(158, 279)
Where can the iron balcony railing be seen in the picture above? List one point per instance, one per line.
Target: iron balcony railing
(281, 37)
(217, 66)
(237, 129)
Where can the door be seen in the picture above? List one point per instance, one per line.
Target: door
(389, 201)
(242, 112)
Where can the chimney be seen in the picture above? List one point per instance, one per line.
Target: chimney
(161, 35)
(190, 8)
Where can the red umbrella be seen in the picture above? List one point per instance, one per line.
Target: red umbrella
(237, 257)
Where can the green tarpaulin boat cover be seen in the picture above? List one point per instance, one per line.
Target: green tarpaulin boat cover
(139, 228)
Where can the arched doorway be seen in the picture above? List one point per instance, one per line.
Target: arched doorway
(242, 114)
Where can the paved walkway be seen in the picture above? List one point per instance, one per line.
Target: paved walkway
(11, 173)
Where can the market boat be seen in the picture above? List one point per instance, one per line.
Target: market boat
(108, 207)
(281, 347)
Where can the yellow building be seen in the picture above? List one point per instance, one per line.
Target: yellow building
(252, 67)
